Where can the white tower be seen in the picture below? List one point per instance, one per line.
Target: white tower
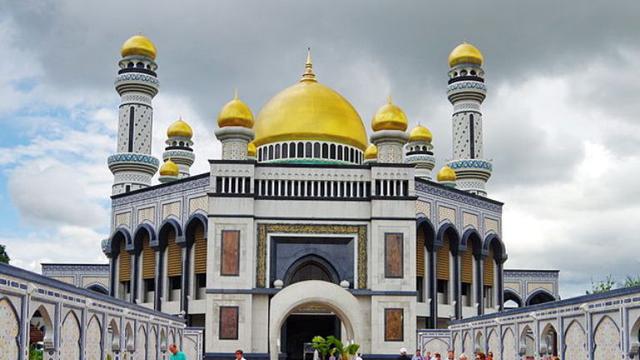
(389, 125)
(419, 151)
(179, 147)
(466, 91)
(133, 166)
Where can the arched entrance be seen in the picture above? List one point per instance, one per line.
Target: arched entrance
(327, 297)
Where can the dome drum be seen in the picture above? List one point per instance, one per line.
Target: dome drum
(319, 152)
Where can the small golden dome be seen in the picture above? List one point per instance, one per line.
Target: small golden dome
(169, 168)
(389, 117)
(139, 45)
(309, 110)
(251, 149)
(446, 174)
(420, 133)
(371, 153)
(465, 53)
(235, 113)
(180, 128)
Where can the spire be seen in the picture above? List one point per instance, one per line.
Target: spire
(308, 69)
(235, 94)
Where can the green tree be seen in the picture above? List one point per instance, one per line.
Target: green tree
(345, 351)
(4, 257)
(321, 345)
(631, 281)
(602, 285)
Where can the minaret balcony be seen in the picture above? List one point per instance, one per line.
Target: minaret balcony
(133, 162)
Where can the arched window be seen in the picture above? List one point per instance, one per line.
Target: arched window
(339, 152)
(300, 150)
(308, 153)
(270, 152)
(130, 65)
(325, 151)
(277, 151)
(332, 152)
(292, 150)
(352, 158)
(140, 65)
(316, 150)
(285, 151)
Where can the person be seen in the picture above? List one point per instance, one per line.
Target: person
(358, 356)
(451, 355)
(403, 355)
(332, 357)
(175, 354)
(428, 355)
(437, 356)
(463, 357)
(417, 356)
(480, 356)
(489, 355)
(240, 355)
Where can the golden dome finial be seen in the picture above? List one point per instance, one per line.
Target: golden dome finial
(420, 133)
(389, 99)
(139, 45)
(235, 94)
(446, 175)
(308, 75)
(235, 113)
(389, 117)
(169, 168)
(465, 53)
(180, 129)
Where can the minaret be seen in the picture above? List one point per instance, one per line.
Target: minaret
(235, 129)
(137, 83)
(179, 146)
(389, 125)
(466, 91)
(419, 151)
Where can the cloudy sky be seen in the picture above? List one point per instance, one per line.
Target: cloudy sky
(559, 121)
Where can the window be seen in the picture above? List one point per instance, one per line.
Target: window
(201, 286)
(332, 152)
(420, 288)
(175, 284)
(308, 153)
(325, 151)
(230, 253)
(316, 150)
(340, 152)
(277, 151)
(488, 296)
(393, 254)
(300, 150)
(285, 151)
(443, 291)
(149, 290)
(466, 294)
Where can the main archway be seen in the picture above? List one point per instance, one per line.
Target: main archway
(314, 292)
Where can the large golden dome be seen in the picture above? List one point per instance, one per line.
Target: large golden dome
(465, 53)
(139, 45)
(309, 110)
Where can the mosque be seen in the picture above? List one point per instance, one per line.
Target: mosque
(310, 224)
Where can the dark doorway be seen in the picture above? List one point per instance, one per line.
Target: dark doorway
(300, 329)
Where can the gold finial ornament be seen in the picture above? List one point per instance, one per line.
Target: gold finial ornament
(465, 53)
(169, 168)
(308, 75)
(371, 153)
(139, 45)
(389, 117)
(251, 149)
(235, 113)
(446, 174)
(420, 133)
(180, 128)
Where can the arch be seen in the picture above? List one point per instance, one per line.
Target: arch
(549, 340)
(191, 225)
(163, 340)
(493, 344)
(119, 235)
(141, 343)
(510, 295)
(46, 323)
(476, 241)
(165, 227)
(70, 337)
(479, 341)
(575, 341)
(493, 241)
(527, 342)
(152, 350)
(339, 300)
(467, 344)
(93, 346)
(436, 346)
(129, 338)
(99, 288)
(455, 344)
(425, 225)
(114, 331)
(606, 338)
(508, 344)
(539, 296)
(138, 235)
(448, 229)
(10, 334)
(313, 260)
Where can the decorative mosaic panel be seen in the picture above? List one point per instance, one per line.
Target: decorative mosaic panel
(393, 250)
(9, 329)
(446, 213)
(198, 203)
(70, 339)
(171, 209)
(146, 214)
(469, 219)
(494, 345)
(491, 225)
(230, 253)
(393, 324)
(94, 340)
(141, 344)
(576, 343)
(123, 219)
(228, 323)
(423, 207)
(437, 346)
(607, 340)
(538, 285)
(265, 229)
